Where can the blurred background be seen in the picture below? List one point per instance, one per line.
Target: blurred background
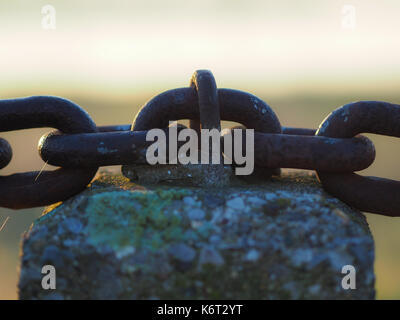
(305, 58)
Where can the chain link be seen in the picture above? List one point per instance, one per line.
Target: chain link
(371, 194)
(32, 189)
(335, 150)
(312, 152)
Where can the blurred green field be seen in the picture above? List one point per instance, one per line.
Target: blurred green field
(292, 109)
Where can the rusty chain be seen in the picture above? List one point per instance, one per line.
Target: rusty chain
(79, 147)
(365, 193)
(24, 190)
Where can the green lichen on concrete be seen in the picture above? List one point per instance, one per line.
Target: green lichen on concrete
(283, 238)
(143, 214)
(283, 202)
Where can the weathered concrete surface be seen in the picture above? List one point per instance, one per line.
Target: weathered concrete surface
(284, 239)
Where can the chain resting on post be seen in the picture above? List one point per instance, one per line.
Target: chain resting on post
(336, 150)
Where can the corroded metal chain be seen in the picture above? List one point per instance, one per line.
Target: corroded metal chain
(79, 147)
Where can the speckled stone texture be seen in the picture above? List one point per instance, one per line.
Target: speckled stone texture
(282, 239)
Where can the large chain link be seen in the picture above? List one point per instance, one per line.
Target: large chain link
(371, 194)
(32, 189)
(335, 150)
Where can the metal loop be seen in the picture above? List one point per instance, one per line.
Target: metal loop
(32, 189)
(88, 149)
(234, 105)
(204, 83)
(111, 145)
(182, 103)
(370, 194)
(312, 152)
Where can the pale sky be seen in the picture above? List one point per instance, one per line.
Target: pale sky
(129, 46)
